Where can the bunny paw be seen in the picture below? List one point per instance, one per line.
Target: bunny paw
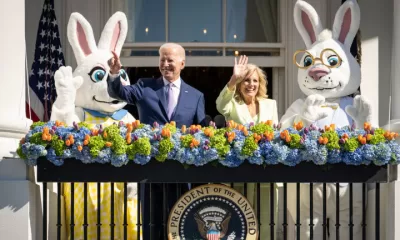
(360, 111)
(312, 110)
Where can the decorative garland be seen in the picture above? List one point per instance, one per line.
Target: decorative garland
(260, 144)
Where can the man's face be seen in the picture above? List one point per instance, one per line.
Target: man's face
(171, 63)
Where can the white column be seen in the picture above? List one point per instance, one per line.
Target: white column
(395, 79)
(17, 198)
(393, 198)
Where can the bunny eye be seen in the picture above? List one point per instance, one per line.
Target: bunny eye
(333, 60)
(123, 74)
(97, 74)
(307, 61)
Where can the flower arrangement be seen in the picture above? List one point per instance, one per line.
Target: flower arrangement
(261, 144)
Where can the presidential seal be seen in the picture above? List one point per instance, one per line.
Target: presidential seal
(212, 212)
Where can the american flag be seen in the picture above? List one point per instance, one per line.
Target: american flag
(48, 58)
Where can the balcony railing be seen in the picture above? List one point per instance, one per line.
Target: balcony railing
(173, 172)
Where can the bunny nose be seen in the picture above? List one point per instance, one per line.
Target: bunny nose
(317, 73)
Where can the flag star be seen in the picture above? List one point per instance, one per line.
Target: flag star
(41, 59)
(48, 21)
(54, 22)
(59, 62)
(49, 33)
(49, 7)
(59, 49)
(43, 20)
(46, 85)
(45, 7)
(54, 35)
(53, 47)
(43, 33)
(41, 46)
(40, 72)
(46, 59)
(52, 61)
(39, 85)
(51, 73)
(46, 97)
(32, 72)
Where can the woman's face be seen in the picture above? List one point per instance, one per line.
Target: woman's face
(249, 86)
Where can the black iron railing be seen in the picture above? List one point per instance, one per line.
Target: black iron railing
(73, 171)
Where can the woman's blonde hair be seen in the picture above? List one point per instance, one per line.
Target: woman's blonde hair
(262, 80)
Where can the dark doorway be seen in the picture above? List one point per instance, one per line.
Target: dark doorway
(208, 80)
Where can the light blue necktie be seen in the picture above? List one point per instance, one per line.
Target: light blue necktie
(170, 99)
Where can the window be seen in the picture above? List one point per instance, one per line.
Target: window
(246, 18)
(217, 21)
(195, 21)
(146, 20)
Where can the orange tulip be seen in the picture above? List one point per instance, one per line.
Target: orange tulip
(367, 126)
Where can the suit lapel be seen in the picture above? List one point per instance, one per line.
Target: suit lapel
(183, 93)
(161, 96)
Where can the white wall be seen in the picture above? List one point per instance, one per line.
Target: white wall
(376, 35)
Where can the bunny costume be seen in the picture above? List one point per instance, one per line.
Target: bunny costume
(328, 75)
(82, 96)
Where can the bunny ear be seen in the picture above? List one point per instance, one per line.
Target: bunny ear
(114, 33)
(80, 36)
(307, 22)
(347, 22)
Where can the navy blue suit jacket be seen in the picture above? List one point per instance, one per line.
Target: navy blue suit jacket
(148, 95)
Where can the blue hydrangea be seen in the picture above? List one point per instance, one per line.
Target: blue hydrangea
(141, 159)
(35, 151)
(395, 149)
(256, 158)
(368, 153)
(209, 155)
(334, 156)
(278, 154)
(353, 158)
(104, 156)
(311, 149)
(231, 160)
(292, 130)
(64, 132)
(383, 154)
(322, 157)
(266, 149)
(53, 158)
(84, 155)
(293, 157)
(119, 160)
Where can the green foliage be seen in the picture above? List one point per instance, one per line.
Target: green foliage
(165, 147)
(295, 141)
(333, 139)
(351, 144)
(249, 146)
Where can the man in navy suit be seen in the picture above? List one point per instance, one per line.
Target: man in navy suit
(165, 99)
(161, 100)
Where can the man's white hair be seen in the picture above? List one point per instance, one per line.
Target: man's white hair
(180, 50)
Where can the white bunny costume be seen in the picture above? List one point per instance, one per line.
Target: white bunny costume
(84, 92)
(328, 80)
(82, 96)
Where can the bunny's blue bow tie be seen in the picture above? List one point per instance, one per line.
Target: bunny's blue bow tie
(118, 115)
